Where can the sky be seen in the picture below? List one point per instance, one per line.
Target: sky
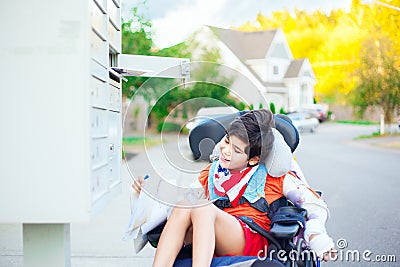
(175, 20)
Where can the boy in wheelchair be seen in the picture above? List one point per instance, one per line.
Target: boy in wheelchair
(245, 199)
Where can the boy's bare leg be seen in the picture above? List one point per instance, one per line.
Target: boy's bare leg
(171, 239)
(203, 236)
(214, 230)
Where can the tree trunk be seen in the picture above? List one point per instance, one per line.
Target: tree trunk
(388, 113)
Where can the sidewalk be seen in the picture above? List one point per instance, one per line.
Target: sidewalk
(391, 143)
(99, 243)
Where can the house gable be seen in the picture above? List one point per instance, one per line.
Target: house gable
(246, 86)
(301, 79)
(266, 56)
(277, 58)
(265, 53)
(278, 51)
(279, 48)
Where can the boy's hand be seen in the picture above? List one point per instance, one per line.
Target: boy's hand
(138, 184)
(331, 253)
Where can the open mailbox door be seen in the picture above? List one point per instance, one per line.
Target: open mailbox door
(153, 66)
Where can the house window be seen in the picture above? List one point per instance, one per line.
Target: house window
(276, 70)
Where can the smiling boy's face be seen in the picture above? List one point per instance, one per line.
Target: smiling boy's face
(232, 153)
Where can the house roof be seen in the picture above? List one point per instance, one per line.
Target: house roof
(246, 45)
(294, 68)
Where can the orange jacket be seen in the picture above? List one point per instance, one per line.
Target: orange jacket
(273, 190)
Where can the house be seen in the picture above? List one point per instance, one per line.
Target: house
(262, 66)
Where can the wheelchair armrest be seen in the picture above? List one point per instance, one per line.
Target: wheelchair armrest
(284, 231)
(287, 221)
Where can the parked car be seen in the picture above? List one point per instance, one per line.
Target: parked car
(304, 122)
(319, 111)
(210, 113)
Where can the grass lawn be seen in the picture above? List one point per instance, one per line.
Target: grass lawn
(136, 144)
(358, 122)
(140, 140)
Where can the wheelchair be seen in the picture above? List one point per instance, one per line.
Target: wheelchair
(286, 246)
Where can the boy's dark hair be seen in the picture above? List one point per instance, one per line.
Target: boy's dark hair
(255, 129)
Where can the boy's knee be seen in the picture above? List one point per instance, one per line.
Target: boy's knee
(180, 212)
(203, 212)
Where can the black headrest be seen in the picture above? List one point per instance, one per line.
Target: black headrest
(204, 136)
(285, 126)
(208, 133)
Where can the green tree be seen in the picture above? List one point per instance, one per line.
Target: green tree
(136, 40)
(168, 101)
(137, 35)
(208, 87)
(379, 78)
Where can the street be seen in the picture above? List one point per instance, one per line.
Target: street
(359, 182)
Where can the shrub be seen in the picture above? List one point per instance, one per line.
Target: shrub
(272, 107)
(168, 127)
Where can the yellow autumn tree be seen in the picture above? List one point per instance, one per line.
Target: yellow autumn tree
(332, 42)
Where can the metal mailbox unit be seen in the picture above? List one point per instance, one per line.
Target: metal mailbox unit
(61, 116)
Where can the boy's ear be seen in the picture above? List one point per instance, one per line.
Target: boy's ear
(254, 160)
